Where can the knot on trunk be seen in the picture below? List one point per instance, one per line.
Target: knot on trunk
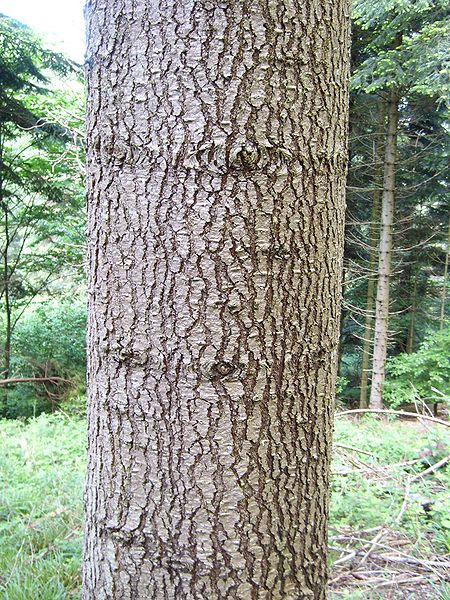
(247, 156)
(222, 369)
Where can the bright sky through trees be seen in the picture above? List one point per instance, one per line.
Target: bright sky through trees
(60, 22)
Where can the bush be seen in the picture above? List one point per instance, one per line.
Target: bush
(48, 342)
(423, 375)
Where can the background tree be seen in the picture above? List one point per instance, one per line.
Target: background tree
(41, 191)
(396, 46)
(216, 166)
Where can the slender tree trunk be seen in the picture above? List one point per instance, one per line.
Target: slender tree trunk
(373, 243)
(444, 283)
(216, 174)
(443, 300)
(7, 300)
(412, 319)
(385, 254)
(6, 366)
(341, 324)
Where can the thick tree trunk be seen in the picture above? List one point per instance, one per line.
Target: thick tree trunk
(374, 237)
(385, 254)
(216, 167)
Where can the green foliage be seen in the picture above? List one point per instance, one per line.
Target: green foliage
(41, 479)
(401, 44)
(421, 376)
(23, 62)
(341, 383)
(49, 341)
(405, 45)
(357, 499)
(55, 333)
(41, 181)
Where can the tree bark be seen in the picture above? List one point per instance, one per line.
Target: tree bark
(385, 254)
(216, 173)
(374, 236)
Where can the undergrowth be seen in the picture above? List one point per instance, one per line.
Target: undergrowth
(41, 480)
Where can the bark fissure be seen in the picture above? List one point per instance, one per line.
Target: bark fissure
(216, 169)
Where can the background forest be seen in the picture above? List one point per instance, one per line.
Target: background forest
(390, 520)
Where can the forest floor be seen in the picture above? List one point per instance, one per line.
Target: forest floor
(390, 517)
(389, 525)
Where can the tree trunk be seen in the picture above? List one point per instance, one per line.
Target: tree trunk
(216, 172)
(412, 319)
(373, 243)
(7, 300)
(5, 292)
(444, 283)
(385, 254)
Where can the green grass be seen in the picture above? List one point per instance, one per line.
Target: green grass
(364, 499)
(41, 480)
(370, 491)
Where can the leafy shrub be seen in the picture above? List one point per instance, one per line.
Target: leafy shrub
(48, 342)
(424, 374)
(341, 382)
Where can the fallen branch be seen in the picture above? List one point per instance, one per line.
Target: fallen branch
(431, 469)
(401, 557)
(402, 581)
(414, 561)
(14, 380)
(392, 412)
(337, 445)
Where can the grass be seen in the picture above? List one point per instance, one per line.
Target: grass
(41, 480)
(363, 499)
(407, 516)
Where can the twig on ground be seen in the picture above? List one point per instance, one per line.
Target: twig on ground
(400, 413)
(404, 506)
(373, 544)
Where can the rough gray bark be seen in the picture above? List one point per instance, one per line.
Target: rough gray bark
(216, 167)
(385, 254)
